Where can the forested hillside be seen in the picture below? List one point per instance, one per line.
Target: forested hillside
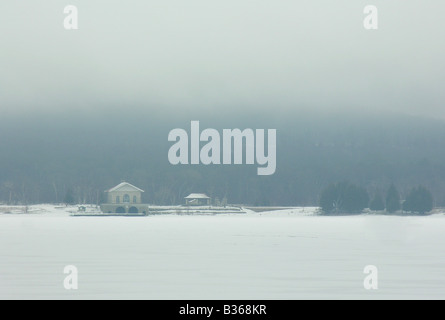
(45, 158)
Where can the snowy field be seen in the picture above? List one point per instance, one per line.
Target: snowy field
(288, 254)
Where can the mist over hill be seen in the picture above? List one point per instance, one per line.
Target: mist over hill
(45, 156)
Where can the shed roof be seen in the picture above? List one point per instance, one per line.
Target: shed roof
(197, 196)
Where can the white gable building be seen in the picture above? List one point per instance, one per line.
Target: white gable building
(124, 198)
(124, 193)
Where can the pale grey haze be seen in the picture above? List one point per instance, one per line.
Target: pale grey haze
(207, 56)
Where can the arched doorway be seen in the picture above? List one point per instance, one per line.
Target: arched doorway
(133, 210)
(120, 210)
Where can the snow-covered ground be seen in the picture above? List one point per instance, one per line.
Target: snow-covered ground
(288, 254)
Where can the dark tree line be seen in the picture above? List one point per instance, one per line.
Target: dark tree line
(347, 198)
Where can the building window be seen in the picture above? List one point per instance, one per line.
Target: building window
(117, 199)
(126, 198)
(134, 199)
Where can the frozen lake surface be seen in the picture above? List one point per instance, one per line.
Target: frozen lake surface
(286, 255)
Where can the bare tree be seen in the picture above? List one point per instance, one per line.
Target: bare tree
(56, 191)
(8, 187)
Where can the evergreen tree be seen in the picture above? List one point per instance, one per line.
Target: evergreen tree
(344, 198)
(377, 204)
(419, 200)
(329, 199)
(392, 199)
(69, 197)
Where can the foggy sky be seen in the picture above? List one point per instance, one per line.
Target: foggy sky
(237, 55)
